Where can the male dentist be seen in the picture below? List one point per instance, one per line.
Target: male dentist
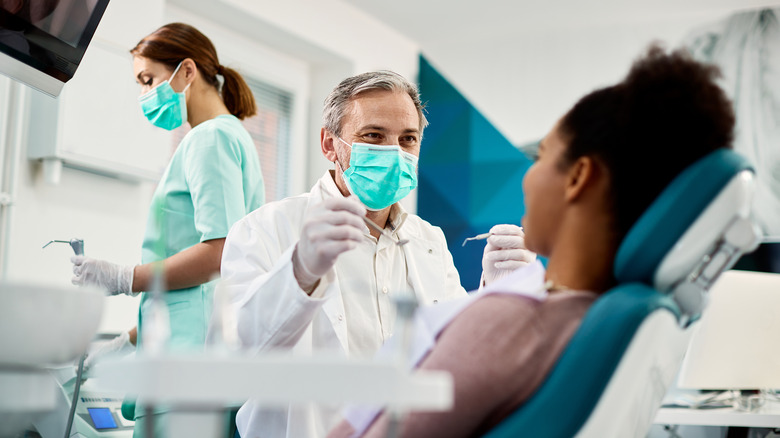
(306, 273)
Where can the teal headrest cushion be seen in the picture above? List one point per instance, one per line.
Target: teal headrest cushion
(669, 216)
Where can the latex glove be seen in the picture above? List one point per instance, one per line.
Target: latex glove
(505, 252)
(117, 346)
(333, 227)
(114, 278)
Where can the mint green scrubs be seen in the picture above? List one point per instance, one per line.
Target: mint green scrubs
(212, 181)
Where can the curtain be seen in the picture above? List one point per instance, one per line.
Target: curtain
(746, 47)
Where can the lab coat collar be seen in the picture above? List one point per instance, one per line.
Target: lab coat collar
(397, 216)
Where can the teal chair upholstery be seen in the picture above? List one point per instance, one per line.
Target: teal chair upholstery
(611, 378)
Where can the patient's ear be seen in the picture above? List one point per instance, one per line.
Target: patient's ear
(581, 177)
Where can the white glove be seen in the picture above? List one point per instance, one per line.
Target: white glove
(505, 251)
(114, 278)
(334, 226)
(115, 347)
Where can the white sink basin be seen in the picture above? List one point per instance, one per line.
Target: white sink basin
(39, 326)
(42, 325)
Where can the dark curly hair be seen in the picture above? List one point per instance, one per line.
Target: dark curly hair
(666, 114)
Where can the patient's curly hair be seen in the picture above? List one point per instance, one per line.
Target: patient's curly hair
(667, 113)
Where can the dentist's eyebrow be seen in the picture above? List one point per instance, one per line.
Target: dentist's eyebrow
(372, 127)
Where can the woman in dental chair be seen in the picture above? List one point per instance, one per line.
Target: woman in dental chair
(597, 170)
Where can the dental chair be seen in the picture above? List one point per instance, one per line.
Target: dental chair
(611, 378)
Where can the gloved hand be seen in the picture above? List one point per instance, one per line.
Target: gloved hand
(334, 226)
(505, 251)
(117, 346)
(114, 278)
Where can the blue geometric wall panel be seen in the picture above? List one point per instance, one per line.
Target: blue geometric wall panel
(470, 175)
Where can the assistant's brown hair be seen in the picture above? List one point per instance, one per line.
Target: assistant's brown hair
(174, 42)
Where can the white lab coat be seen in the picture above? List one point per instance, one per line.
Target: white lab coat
(272, 311)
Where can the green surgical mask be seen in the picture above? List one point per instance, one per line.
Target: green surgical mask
(164, 107)
(380, 175)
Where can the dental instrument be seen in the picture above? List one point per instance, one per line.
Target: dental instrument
(76, 244)
(477, 237)
(372, 224)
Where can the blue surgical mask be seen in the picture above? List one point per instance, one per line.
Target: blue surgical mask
(380, 175)
(164, 107)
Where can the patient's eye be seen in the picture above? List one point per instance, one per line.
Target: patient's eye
(531, 150)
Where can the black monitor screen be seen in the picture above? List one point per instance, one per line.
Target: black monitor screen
(766, 258)
(49, 35)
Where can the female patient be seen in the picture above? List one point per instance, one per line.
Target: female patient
(597, 170)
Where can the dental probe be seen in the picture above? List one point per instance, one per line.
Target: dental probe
(376, 227)
(477, 237)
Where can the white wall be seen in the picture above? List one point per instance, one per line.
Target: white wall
(524, 84)
(305, 53)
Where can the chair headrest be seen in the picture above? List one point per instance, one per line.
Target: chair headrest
(686, 221)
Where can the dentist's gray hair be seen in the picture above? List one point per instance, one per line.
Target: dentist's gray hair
(337, 101)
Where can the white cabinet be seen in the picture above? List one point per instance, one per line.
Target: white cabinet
(96, 123)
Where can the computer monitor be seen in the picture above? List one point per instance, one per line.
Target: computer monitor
(734, 345)
(42, 41)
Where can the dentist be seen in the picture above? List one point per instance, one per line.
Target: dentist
(305, 273)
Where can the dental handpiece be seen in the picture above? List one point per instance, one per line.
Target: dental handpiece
(76, 244)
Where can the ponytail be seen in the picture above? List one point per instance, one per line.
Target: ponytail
(174, 42)
(236, 94)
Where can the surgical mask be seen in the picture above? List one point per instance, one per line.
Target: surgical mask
(164, 107)
(380, 175)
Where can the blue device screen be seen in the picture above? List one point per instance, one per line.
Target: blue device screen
(102, 418)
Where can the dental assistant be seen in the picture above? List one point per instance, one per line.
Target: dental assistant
(306, 274)
(212, 181)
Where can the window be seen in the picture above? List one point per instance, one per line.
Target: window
(270, 130)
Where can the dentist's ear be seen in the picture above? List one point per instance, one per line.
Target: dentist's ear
(328, 145)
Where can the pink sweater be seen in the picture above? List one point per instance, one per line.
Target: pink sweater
(498, 350)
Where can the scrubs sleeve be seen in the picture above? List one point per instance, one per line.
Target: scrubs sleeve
(213, 171)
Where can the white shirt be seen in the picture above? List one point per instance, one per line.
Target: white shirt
(368, 293)
(348, 311)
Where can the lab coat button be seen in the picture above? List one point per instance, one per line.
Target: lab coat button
(384, 290)
(341, 317)
(430, 251)
(435, 301)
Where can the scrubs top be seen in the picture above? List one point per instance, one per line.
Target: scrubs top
(212, 181)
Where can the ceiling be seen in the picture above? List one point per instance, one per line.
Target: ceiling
(432, 23)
